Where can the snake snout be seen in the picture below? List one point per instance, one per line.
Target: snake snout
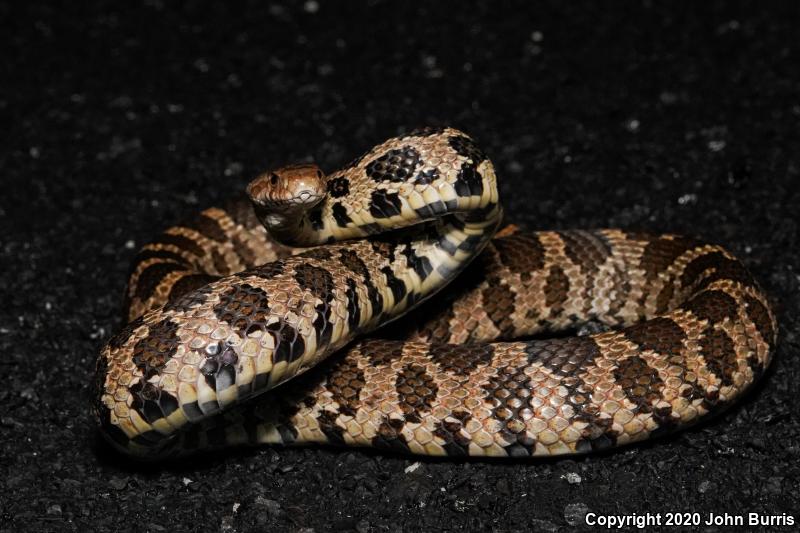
(292, 186)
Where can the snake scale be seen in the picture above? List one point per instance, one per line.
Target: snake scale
(246, 298)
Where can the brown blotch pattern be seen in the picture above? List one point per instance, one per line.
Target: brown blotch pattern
(351, 261)
(714, 306)
(760, 317)
(416, 391)
(316, 280)
(380, 352)
(584, 249)
(383, 247)
(266, 271)
(338, 187)
(714, 266)
(151, 353)
(394, 165)
(664, 298)
(188, 284)
(220, 263)
(182, 243)
(662, 252)
(209, 228)
(640, 382)
(556, 289)
(717, 349)
(451, 431)
(563, 356)
(661, 334)
(318, 254)
(499, 306)
(345, 383)
(520, 253)
(117, 341)
(461, 359)
(244, 252)
(244, 307)
(508, 394)
(437, 328)
(466, 147)
(150, 278)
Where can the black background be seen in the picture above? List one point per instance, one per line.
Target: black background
(122, 118)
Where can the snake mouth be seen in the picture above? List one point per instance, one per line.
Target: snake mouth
(309, 198)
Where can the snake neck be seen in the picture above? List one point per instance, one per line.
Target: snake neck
(283, 226)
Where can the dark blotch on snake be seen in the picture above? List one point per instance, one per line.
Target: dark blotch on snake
(466, 147)
(661, 252)
(384, 204)
(345, 383)
(461, 359)
(208, 227)
(315, 279)
(556, 289)
(416, 391)
(661, 334)
(151, 401)
(170, 257)
(289, 344)
(760, 317)
(189, 283)
(395, 165)
(315, 218)
(396, 285)
(338, 187)
(151, 353)
(426, 177)
(712, 267)
(353, 309)
(150, 278)
(640, 382)
(390, 436)
(182, 243)
(717, 349)
(328, 426)
(468, 181)
(419, 263)
(498, 301)
(320, 253)
(340, 215)
(713, 306)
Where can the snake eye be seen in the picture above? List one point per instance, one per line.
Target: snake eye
(273, 179)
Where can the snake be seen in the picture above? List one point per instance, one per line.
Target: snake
(311, 310)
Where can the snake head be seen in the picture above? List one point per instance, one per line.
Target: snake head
(288, 189)
(283, 198)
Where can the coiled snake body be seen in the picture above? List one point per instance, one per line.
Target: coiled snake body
(221, 313)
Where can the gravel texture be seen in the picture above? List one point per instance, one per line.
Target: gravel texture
(120, 119)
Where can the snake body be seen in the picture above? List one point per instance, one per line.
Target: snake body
(220, 314)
